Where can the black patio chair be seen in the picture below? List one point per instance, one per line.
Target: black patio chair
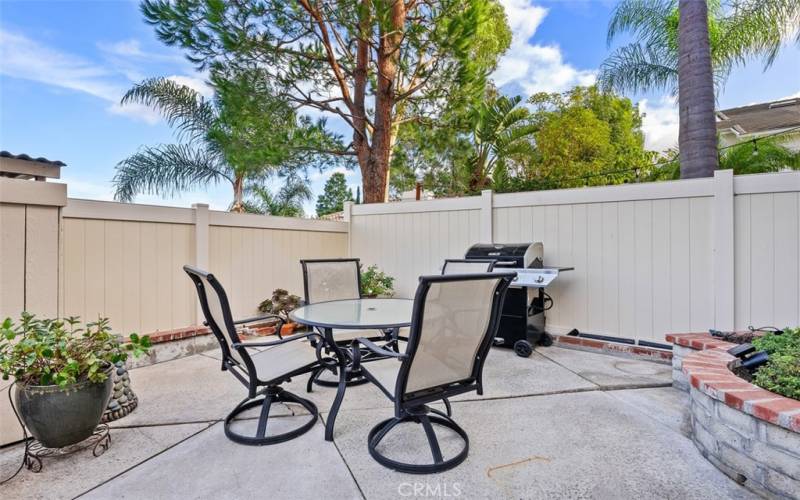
(262, 373)
(336, 279)
(454, 321)
(467, 266)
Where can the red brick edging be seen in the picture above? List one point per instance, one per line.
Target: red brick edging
(708, 372)
(644, 352)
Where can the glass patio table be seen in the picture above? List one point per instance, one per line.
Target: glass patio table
(352, 314)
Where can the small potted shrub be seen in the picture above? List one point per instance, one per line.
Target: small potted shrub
(63, 373)
(281, 304)
(376, 283)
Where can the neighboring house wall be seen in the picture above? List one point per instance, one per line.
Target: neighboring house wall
(650, 258)
(790, 140)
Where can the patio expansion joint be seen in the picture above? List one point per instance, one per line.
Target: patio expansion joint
(204, 429)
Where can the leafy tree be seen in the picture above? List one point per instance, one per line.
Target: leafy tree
(244, 134)
(358, 195)
(287, 202)
(334, 195)
(583, 136)
(501, 129)
(374, 64)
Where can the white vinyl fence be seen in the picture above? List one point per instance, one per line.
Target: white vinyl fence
(124, 261)
(649, 258)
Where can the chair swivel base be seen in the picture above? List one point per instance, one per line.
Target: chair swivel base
(271, 395)
(439, 463)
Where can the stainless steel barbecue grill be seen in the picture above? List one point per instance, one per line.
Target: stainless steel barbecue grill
(522, 324)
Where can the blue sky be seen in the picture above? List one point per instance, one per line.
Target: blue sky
(65, 64)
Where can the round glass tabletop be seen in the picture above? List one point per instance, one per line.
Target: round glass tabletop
(356, 314)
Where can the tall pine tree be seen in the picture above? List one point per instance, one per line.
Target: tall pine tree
(335, 194)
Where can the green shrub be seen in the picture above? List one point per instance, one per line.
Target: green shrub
(61, 352)
(781, 374)
(772, 343)
(375, 282)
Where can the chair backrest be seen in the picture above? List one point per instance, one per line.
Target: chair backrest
(454, 322)
(331, 279)
(217, 312)
(467, 266)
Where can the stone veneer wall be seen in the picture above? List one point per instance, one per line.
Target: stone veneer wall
(750, 434)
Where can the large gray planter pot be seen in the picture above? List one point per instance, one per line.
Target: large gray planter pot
(59, 417)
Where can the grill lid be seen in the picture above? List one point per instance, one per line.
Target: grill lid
(498, 250)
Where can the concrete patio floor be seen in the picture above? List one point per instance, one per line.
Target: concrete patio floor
(560, 424)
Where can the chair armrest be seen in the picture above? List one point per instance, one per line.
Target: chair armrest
(373, 348)
(276, 342)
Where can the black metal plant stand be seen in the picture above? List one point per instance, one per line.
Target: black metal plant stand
(99, 442)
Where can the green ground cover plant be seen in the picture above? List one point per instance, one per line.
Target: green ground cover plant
(781, 374)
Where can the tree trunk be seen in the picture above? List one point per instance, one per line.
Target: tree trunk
(375, 170)
(697, 137)
(238, 195)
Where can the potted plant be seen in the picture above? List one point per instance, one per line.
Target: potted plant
(281, 304)
(63, 373)
(376, 283)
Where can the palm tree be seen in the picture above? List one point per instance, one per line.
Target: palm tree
(697, 133)
(240, 136)
(747, 29)
(288, 202)
(501, 129)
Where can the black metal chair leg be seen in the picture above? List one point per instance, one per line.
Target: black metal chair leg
(448, 407)
(312, 378)
(262, 418)
(432, 441)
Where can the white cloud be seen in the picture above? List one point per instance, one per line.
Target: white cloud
(132, 49)
(660, 123)
(135, 111)
(324, 176)
(21, 57)
(29, 60)
(533, 67)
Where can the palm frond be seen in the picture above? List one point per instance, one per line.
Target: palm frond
(759, 28)
(288, 202)
(182, 107)
(637, 68)
(645, 18)
(166, 170)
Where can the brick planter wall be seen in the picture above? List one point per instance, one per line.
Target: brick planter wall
(174, 344)
(749, 433)
(684, 344)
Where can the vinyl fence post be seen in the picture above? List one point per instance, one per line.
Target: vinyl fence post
(347, 217)
(723, 228)
(486, 217)
(200, 246)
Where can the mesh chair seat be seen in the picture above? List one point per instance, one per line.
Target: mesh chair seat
(276, 362)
